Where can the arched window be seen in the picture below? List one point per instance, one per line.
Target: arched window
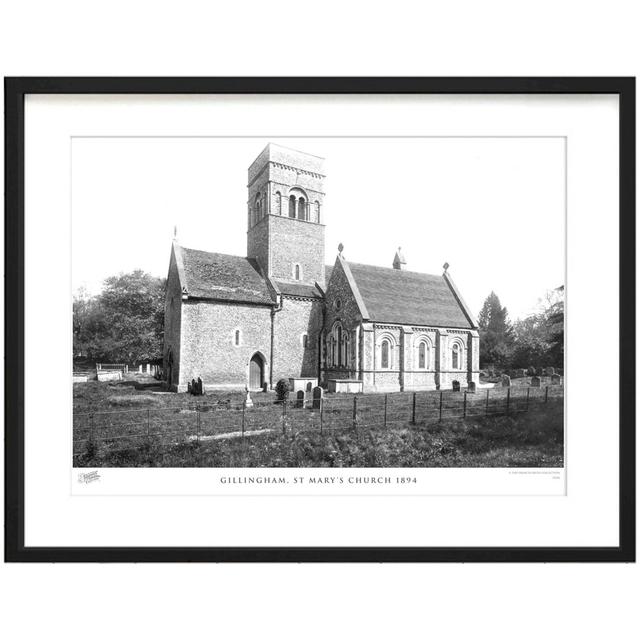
(347, 355)
(277, 203)
(292, 206)
(456, 356)
(385, 352)
(302, 210)
(422, 356)
(236, 338)
(339, 341)
(305, 340)
(297, 272)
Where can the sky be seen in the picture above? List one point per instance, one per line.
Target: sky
(493, 208)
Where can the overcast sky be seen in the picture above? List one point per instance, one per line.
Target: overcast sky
(493, 208)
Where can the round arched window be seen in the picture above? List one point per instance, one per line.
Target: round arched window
(456, 356)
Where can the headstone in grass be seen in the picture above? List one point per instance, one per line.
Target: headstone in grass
(535, 381)
(317, 397)
(555, 379)
(540, 371)
(300, 399)
(265, 387)
(456, 385)
(471, 388)
(506, 380)
(550, 371)
(531, 371)
(248, 402)
(522, 373)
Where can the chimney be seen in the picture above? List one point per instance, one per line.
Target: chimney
(398, 261)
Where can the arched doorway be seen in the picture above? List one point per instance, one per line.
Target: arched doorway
(256, 372)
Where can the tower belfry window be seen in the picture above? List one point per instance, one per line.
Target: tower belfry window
(292, 206)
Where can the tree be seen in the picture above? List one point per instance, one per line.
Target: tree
(496, 337)
(539, 339)
(124, 323)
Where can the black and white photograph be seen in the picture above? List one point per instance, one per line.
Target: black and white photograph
(365, 305)
(351, 302)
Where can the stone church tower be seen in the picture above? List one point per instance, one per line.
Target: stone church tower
(284, 219)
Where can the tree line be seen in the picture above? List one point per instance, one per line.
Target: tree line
(535, 341)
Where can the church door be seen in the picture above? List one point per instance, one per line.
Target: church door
(256, 372)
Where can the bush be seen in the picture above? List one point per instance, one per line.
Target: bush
(282, 389)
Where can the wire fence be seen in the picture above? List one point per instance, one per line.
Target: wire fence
(207, 422)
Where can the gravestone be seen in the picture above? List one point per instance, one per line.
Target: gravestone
(555, 379)
(317, 397)
(456, 385)
(535, 381)
(472, 387)
(539, 371)
(550, 371)
(265, 387)
(300, 399)
(248, 402)
(506, 381)
(522, 373)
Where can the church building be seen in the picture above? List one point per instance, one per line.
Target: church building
(280, 312)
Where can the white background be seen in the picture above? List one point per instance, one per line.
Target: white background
(489, 38)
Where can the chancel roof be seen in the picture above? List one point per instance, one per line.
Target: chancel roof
(407, 297)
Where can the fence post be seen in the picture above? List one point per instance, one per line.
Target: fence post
(321, 413)
(413, 409)
(355, 412)
(244, 409)
(486, 406)
(385, 410)
(546, 393)
(91, 429)
(528, 390)
(464, 410)
(198, 422)
(440, 410)
(284, 414)
(508, 398)
(148, 425)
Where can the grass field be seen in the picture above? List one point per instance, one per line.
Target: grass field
(531, 439)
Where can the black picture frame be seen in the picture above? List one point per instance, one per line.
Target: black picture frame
(15, 91)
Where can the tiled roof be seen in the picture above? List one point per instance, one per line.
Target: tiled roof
(297, 289)
(218, 276)
(406, 297)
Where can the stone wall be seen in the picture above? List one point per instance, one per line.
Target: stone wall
(297, 317)
(208, 342)
(296, 241)
(341, 306)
